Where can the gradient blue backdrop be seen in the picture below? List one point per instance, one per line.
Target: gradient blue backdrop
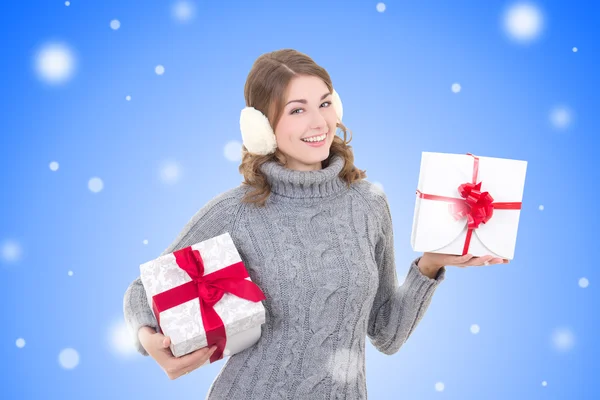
(394, 72)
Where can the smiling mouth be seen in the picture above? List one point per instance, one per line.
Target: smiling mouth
(315, 136)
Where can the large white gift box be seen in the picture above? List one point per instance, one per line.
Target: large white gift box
(180, 284)
(468, 204)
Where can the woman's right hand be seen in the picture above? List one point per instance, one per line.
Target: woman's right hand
(157, 346)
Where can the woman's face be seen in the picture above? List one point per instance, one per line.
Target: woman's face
(308, 112)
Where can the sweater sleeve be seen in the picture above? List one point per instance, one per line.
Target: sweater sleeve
(214, 219)
(397, 310)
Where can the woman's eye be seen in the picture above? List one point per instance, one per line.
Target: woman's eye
(298, 109)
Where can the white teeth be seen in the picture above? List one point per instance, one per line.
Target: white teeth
(316, 139)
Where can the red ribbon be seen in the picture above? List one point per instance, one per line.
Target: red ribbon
(209, 289)
(477, 206)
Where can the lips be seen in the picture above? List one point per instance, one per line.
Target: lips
(314, 136)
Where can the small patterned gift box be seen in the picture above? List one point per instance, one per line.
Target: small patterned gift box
(202, 295)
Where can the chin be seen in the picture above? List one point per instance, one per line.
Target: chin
(319, 156)
(315, 157)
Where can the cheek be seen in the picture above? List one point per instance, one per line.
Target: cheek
(286, 133)
(333, 120)
(282, 130)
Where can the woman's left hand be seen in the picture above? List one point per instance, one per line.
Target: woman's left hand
(437, 260)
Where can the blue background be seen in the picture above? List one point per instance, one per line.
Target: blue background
(394, 72)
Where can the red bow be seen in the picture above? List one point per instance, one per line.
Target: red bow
(209, 289)
(477, 206)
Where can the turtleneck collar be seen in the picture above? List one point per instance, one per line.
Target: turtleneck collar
(305, 184)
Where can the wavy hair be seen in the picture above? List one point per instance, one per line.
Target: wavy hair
(265, 90)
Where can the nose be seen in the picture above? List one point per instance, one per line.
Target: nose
(319, 123)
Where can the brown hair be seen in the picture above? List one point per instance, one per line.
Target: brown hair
(265, 89)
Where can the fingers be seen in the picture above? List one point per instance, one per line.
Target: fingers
(180, 366)
(164, 355)
(461, 261)
(477, 261)
(483, 261)
(198, 357)
(465, 258)
(468, 260)
(497, 260)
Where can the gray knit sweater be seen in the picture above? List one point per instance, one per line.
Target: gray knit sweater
(323, 254)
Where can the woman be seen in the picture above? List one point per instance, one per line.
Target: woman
(315, 237)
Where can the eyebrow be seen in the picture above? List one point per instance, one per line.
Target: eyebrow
(304, 101)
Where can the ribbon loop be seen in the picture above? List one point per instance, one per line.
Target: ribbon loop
(477, 206)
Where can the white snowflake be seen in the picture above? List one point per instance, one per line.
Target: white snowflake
(121, 340)
(68, 358)
(377, 188)
(561, 117)
(170, 171)
(183, 11)
(523, 21)
(95, 184)
(55, 63)
(345, 365)
(563, 339)
(233, 150)
(11, 251)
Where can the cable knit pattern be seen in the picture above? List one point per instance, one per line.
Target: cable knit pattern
(323, 254)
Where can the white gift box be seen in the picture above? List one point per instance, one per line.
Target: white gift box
(183, 323)
(436, 230)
